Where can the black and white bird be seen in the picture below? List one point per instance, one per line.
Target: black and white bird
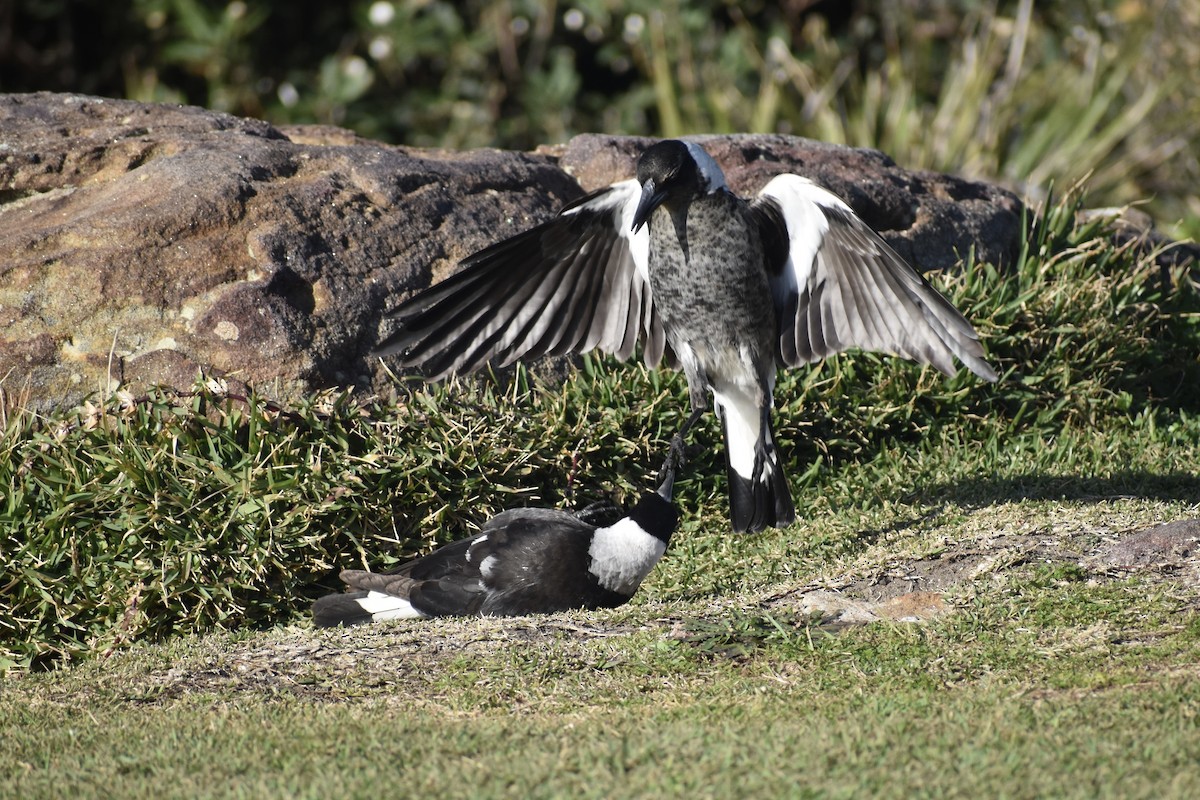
(724, 288)
(523, 561)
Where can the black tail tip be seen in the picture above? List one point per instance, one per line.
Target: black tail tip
(755, 506)
(334, 610)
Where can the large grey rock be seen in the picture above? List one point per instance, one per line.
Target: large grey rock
(131, 229)
(140, 243)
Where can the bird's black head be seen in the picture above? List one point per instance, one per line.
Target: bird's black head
(673, 172)
(656, 513)
(656, 516)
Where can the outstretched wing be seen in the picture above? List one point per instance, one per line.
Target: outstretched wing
(838, 286)
(575, 283)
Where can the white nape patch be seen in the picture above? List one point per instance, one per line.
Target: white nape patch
(623, 555)
(710, 171)
(621, 201)
(382, 606)
(478, 541)
(487, 567)
(743, 422)
(802, 202)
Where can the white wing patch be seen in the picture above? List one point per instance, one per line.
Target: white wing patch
(848, 289)
(801, 201)
(621, 202)
(478, 541)
(623, 555)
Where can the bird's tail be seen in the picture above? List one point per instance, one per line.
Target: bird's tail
(759, 496)
(358, 608)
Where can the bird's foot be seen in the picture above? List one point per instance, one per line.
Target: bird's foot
(676, 457)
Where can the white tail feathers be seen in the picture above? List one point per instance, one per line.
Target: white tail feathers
(385, 606)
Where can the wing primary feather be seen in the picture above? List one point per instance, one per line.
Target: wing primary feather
(570, 284)
(842, 287)
(472, 342)
(577, 306)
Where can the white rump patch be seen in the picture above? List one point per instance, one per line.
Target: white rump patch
(623, 555)
(382, 606)
(743, 423)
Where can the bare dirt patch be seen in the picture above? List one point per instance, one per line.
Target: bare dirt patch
(916, 589)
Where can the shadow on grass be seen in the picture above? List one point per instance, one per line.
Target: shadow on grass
(1048, 486)
(978, 493)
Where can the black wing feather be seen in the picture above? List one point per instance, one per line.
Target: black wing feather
(838, 286)
(568, 285)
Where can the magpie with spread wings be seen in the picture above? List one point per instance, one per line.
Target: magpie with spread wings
(725, 288)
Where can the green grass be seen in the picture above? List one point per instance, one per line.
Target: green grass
(159, 555)
(1013, 695)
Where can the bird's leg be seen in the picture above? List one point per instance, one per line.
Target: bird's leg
(698, 399)
(677, 441)
(677, 453)
(762, 446)
(693, 418)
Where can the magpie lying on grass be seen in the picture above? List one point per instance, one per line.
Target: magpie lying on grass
(523, 561)
(724, 288)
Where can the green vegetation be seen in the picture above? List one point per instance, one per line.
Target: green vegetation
(146, 517)
(158, 553)
(1003, 90)
(1040, 684)
(183, 536)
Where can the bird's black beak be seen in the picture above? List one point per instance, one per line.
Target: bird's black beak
(651, 199)
(667, 488)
